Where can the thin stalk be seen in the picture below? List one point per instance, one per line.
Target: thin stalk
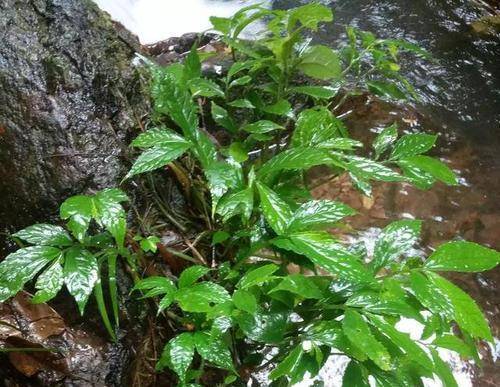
(29, 350)
(101, 305)
(113, 289)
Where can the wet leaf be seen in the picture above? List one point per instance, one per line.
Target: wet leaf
(386, 89)
(266, 327)
(201, 87)
(157, 136)
(320, 92)
(462, 256)
(201, 297)
(79, 210)
(455, 344)
(320, 62)
(433, 167)
(355, 375)
(155, 286)
(192, 65)
(242, 103)
(288, 364)
(192, 274)
(281, 108)
(299, 284)
(369, 169)
(318, 214)
(245, 300)
(21, 266)
(358, 332)
(213, 349)
(385, 139)
(257, 276)
(276, 211)
(178, 354)
(443, 370)
(431, 297)
(314, 127)
(45, 234)
(395, 240)
(413, 144)
(80, 274)
(237, 203)
(222, 118)
(49, 283)
(262, 126)
(244, 80)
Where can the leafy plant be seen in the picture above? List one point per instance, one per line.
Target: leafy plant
(272, 288)
(75, 259)
(263, 219)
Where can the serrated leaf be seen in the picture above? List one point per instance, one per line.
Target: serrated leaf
(287, 366)
(237, 203)
(192, 274)
(328, 254)
(157, 136)
(443, 370)
(419, 178)
(21, 266)
(213, 349)
(245, 300)
(48, 283)
(316, 126)
(404, 342)
(44, 234)
(80, 274)
(369, 169)
(201, 87)
(178, 354)
(355, 375)
(201, 297)
(262, 126)
(222, 118)
(157, 157)
(301, 285)
(437, 169)
(455, 344)
(257, 276)
(466, 313)
(432, 298)
(318, 214)
(276, 211)
(462, 256)
(320, 62)
(222, 176)
(385, 139)
(358, 332)
(320, 92)
(395, 240)
(413, 144)
(155, 286)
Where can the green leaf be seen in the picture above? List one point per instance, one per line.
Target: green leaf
(395, 240)
(318, 214)
(45, 234)
(466, 312)
(201, 297)
(413, 144)
(433, 167)
(340, 143)
(222, 24)
(157, 157)
(150, 243)
(319, 92)
(80, 274)
(355, 375)
(213, 349)
(245, 300)
(237, 203)
(48, 283)
(266, 327)
(238, 152)
(192, 274)
(155, 285)
(241, 81)
(416, 176)
(220, 236)
(289, 363)
(242, 103)
(309, 15)
(201, 87)
(455, 344)
(462, 256)
(431, 297)
(222, 176)
(301, 285)
(110, 213)
(316, 126)
(443, 370)
(257, 276)
(157, 136)
(21, 266)
(320, 62)
(296, 158)
(369, 169)
(178, 354)
(385, 139)
(385, 89)
(281, 108)
(403, 341)
(222, 118)
(192, 65)
(276, 211)
(358, 332)
(262, 126)
(79, 210)
(325, 252)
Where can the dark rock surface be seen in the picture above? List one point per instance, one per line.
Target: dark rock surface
(69, 100)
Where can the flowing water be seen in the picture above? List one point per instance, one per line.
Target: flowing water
(460, 100)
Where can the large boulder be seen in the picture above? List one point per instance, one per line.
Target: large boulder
(69, 99)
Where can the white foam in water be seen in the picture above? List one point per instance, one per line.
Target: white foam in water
(155, 20)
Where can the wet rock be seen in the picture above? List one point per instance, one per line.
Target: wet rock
(69, 101)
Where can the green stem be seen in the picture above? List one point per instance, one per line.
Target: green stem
(113, 289)
(102, 309)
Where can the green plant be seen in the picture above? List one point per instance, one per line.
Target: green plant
(75, 260)
(263, 219)
(273, 288)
